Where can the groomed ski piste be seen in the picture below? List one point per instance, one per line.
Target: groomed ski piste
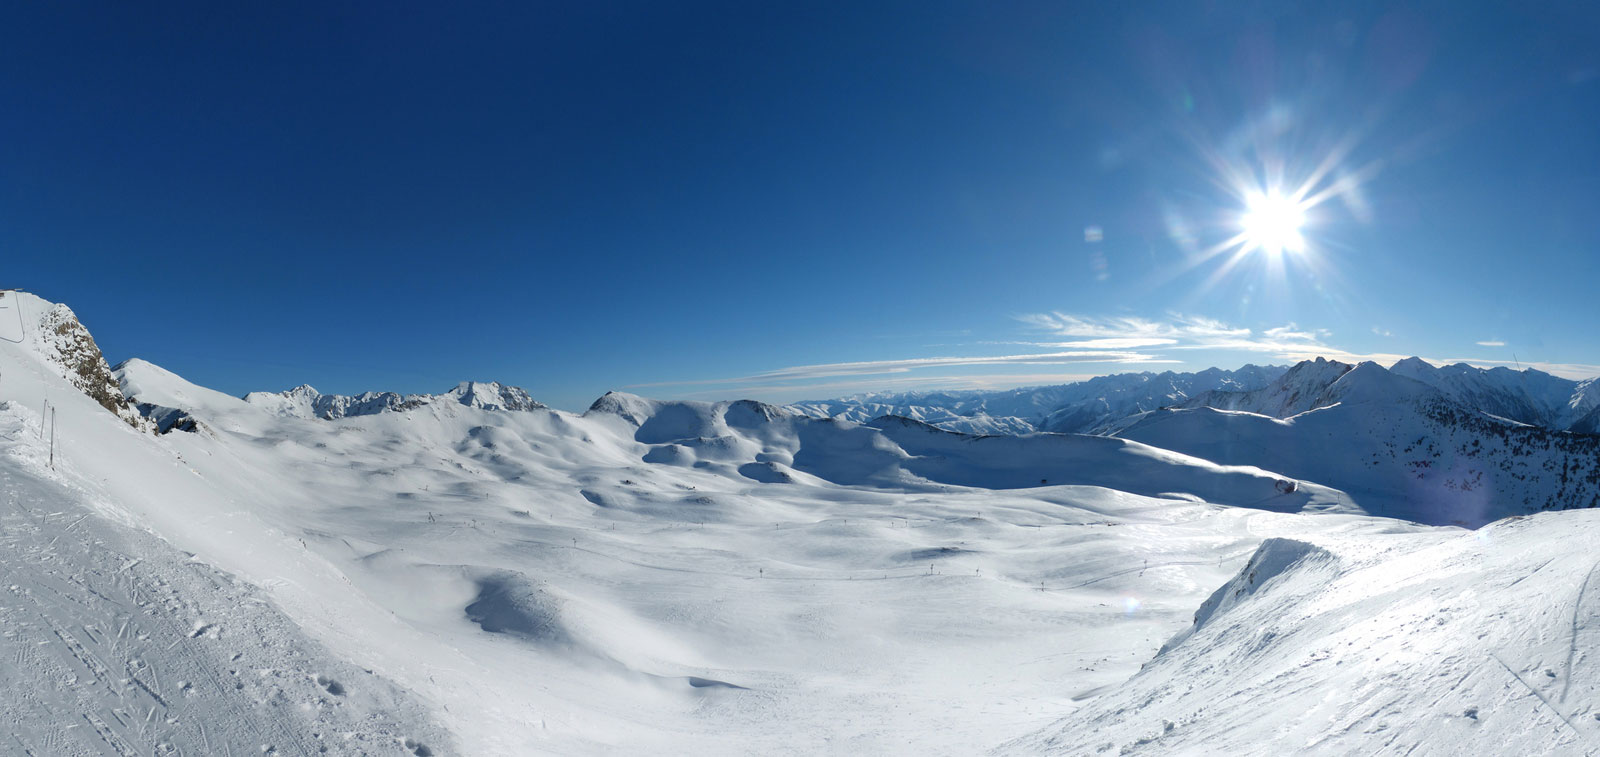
(450, 576)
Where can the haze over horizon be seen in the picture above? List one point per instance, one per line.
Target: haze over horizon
(784, 203)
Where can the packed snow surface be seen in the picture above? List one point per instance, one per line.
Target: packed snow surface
(471, 573)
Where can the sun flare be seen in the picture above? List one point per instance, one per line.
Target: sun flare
(1272, 223)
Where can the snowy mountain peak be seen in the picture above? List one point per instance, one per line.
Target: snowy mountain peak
(1415, 368)
(1302, 387)
(492, 395)
(1370, 382)
(1527, 396)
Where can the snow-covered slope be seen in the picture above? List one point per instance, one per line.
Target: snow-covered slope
(1528, 396)
(118, 642)
(1400, 448)
(730, 578)
(583, 568)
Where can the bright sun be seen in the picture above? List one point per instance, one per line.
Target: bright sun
(1271, 223)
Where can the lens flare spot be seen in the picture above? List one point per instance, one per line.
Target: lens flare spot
(1272, 223)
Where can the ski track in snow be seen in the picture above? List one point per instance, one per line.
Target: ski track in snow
(116, 644)
(1578, 608)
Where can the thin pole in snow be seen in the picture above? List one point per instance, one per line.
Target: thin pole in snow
(52, 438)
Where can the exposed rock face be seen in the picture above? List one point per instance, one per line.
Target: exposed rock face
(168, 419)
(492, 395)
(65, 343)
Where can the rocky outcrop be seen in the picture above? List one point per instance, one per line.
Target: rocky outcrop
(66, 345)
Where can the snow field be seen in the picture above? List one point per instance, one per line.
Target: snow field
(655, 577)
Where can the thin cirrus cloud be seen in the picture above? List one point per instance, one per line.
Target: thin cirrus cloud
(881, 367)
(870, 367)
(1112, 343)
(902, 383)
(1288, 342)
(1178, 332)
(1129, 327)
(1182, 341)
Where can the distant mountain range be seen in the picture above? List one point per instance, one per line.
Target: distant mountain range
(1453, 444)
(306, 402)
(1088, 407)
(1442, 445)
(1400, 446)
(1104, 404)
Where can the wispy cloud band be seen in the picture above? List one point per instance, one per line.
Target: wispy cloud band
(1075, 340)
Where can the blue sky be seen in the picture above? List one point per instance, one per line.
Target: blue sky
(798, 200)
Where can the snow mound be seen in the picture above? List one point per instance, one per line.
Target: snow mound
(1274, 561)
(1426, 643)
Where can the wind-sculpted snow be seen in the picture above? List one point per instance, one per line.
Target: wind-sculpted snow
(1275, 561)
(1434, 643)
